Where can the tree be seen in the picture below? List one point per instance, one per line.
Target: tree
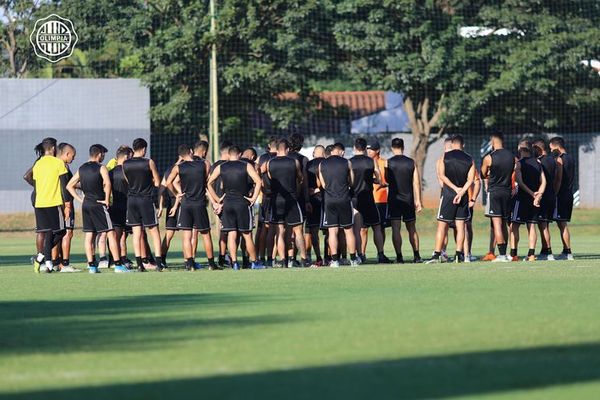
(16, 18)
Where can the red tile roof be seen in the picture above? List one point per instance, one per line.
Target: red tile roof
(360, 103)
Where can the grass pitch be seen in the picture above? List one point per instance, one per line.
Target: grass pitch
(400, 331)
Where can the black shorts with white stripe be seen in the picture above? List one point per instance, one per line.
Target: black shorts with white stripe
(286, 211)
(192, 214)
(237, 215)
(338, 213)
(141, 211)
(498, 204)
(450, 212)
(95, 217)
(524, 212)
(70, 221)
(49, 219)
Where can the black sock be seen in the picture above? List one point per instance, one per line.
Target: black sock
(320, 259)
(544, 250)
(55, 262)
(65, 262)
(145, 260)
(513, 252)
(549, 250)
(460, 255)
(159, 260)
(118, 263)
(399, 256)
(531, 252)
(416, 254)
(103, 258)
(123, 260)
(270, 259)
(502, 249)
(211, 260)
(190, 262)
(335, 257)
(566, 251)
(436, 254)
(91, 263)
(353, 256)
(380, 254)
(139, 261)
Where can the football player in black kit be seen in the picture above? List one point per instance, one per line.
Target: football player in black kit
(457, 172)
(200, 149)
(313, 218)
(531, 183)
(336, 178)
(192, 214)
(285, 175)
(142, 178)
(553, 173)
(118, 208)
(234, 206)
(265, 232)
(170, 203)
(96, 188)
(497, 167)
(564, 195)
(224, 152)
(366, 172)
(404, 198)
(296, 141)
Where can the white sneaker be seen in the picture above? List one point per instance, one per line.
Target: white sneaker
(68, 268)
(468, 258)
(550, 257)
(44, 269)
(565, 257)
(334, 264)
(355, 263)
(501, 258)
(103, 264)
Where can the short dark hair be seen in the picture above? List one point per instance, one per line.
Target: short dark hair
(339, 146)
(273, 140)
(253, 152)
(233, 149)
(201, 144)
(63, 146)
(225, 146)
(124, 150)
(48, 143)
(183, 150)
(540, 144)
(458, 139)
(296, 141)
(360, 144)
(96, 149)
(558, 141)
(139, 144)
(283, 142)
(498, 135)
(328, 149)
(398, 143)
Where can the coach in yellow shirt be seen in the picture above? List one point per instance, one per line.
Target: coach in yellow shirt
(49, 176)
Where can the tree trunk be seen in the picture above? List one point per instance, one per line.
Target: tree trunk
(421, 126)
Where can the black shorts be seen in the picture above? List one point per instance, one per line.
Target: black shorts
(171, 222)
(95, 217)
(369, 212)
(564, 208)
(193, 215)
(498, 204)
(450, 212)
(118, 215)
(264, 212)
(286, 211)
(524, 212)
(70, 222)
(141, 211)
(49, 219)
(313, 218)
(547, 207)
(338, 212)
(401, 210)
(236, 216)
(382, 208)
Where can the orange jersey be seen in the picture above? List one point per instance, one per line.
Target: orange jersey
(380, 193)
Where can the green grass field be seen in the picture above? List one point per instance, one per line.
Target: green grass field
(400, 331)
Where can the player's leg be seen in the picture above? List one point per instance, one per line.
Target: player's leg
(413, 238)
(251, 249)
(460, 240)
(166, 243)
(89, 241)
(232, 240)
(397, 239)
(468, 239)
(314, 234)
(66, 248)
(154, 233)
(514, 240)
(532, 236)
(188, 251)
(195, 237)
(357, 228)
(499, 227)
(440, 235)
(333, 245)
(300, 244)
(565, 236)
(351, 244)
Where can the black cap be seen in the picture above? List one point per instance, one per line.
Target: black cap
(373, 144)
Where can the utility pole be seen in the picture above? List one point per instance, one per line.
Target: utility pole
(214, 99)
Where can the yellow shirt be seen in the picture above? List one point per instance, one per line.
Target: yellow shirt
(111, 164)
(46, 173)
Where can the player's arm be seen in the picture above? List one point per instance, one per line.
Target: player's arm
(519, 180)
(304, 178)
(155, 175)
(351, 175)
(64, 181)
(441, 167)
(468, 183)
(212, 194)
(71, 187)
(440, 170)
(106, 185)
(558, 175)
(169, 183)
(28, 177)
(476, 188)
(541, 189)
(320, 180)
(486, 164)
(417, 189)
(377, 178)
(257, 184)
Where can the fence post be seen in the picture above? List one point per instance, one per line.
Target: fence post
(214, 99)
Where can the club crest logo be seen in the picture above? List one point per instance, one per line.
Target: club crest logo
(53, 38)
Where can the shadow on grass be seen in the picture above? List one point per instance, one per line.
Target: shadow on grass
(128, 323)
(411, 378)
